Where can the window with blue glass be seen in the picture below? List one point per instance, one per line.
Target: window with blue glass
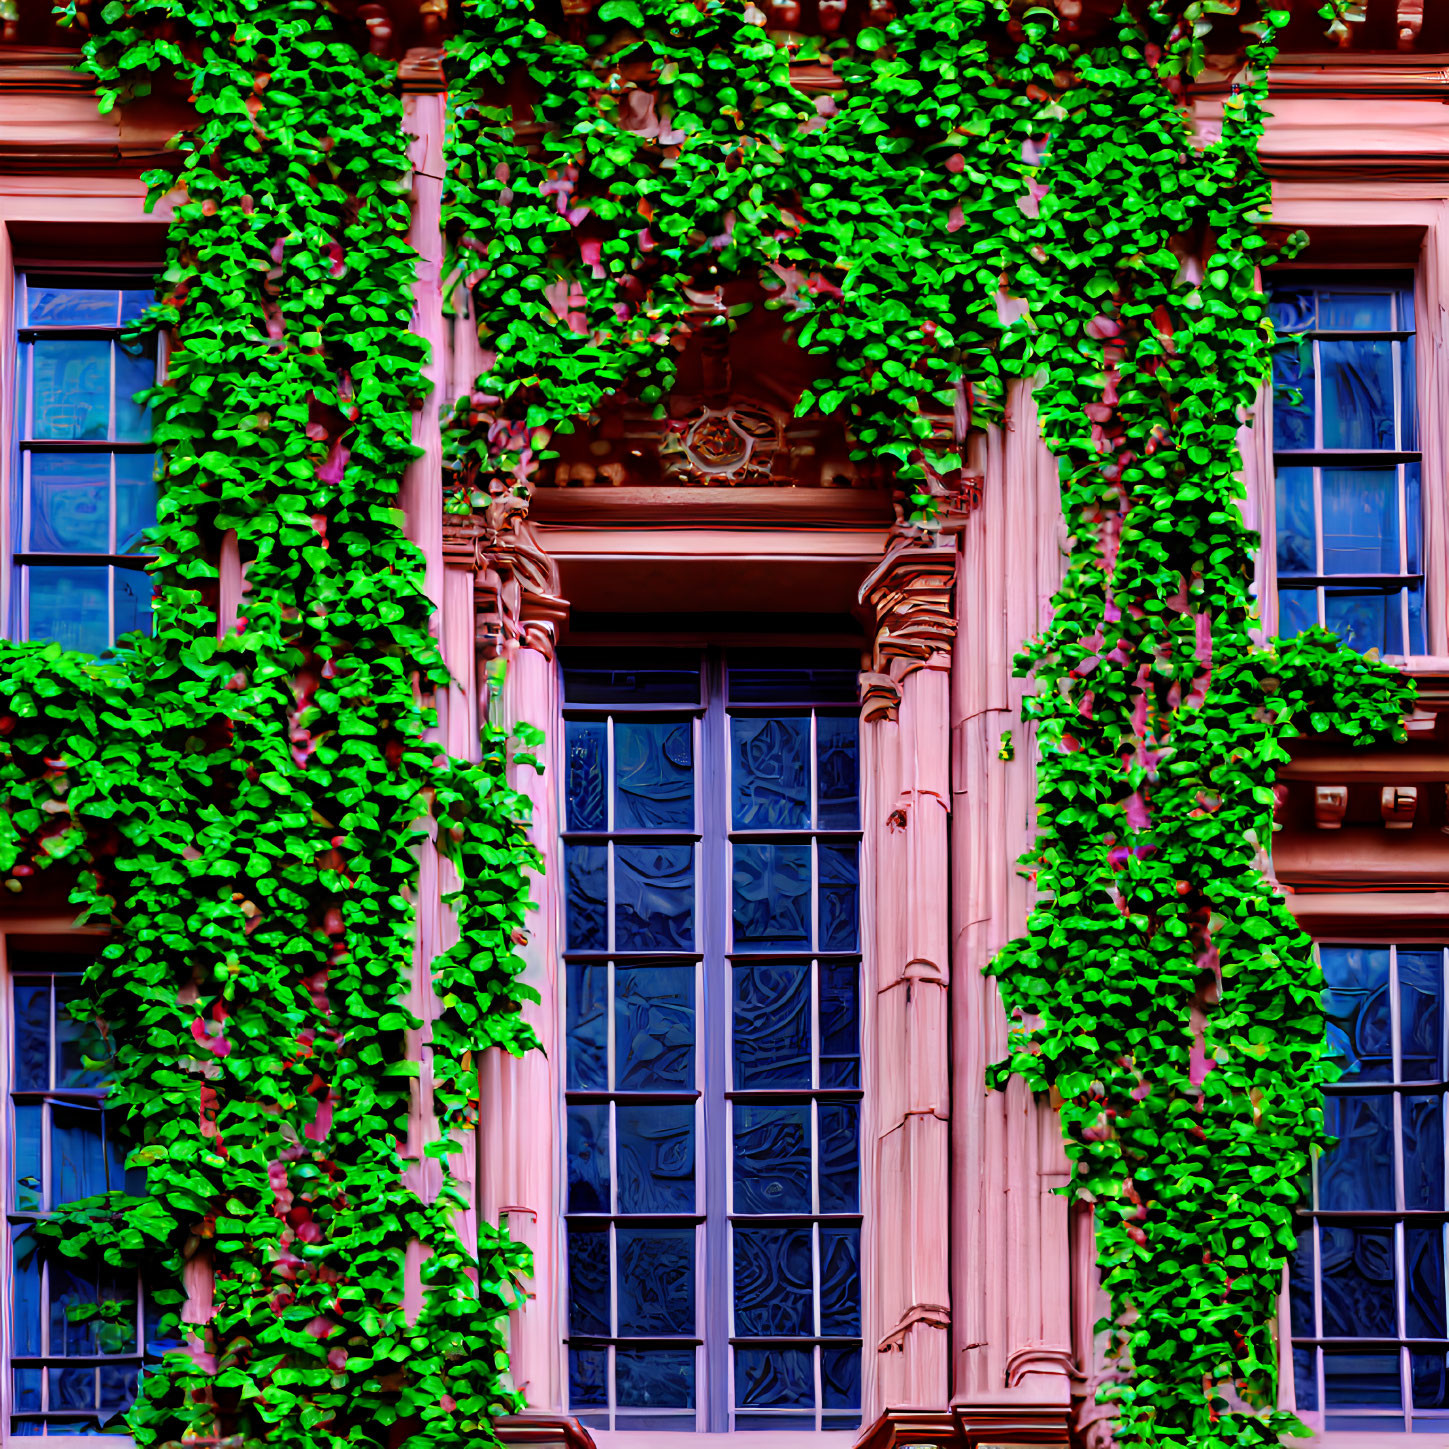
(711, 861)
(1347, 462)
(84, 465)
(73, 1364)
(1367, 1282)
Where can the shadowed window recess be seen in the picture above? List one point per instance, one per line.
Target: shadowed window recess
(76, 1331)
(711, 842)
(1349, 516)
(1367, 1282)
(84, 467)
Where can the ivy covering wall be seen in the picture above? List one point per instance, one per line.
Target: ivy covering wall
(245, 811)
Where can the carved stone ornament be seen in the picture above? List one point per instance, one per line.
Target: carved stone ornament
(912, 594)
(516, 587)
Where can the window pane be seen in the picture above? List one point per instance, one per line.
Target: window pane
(1297, 546)
(1369, 1379)
(772, 1026)
(662, 676)
(25, 1288)
(68, 305)
(839, 1024)
(654, 897)
(839, 898)
(70, 503)
(1365, 621)
(656, 1378)
(656, 1281)
(656, 1158)
(1358, 1282)
(772, 1159)
(1431, 1384)
(774, 1284)
(588, 1388)
(840, 1377)
(586, 897)
(587, 1026)
(68, 605)
(72, 1388)
(1300, 1286)
(1421, 1010)
(654, 775)
(1293, 309)
(837, 745)
(839, 1281)
(135, 500)
(1357, 1175)
(134, 593)
(135, 300)
(71, 1286)
(1358, 394)
(1345, 310)
(32, 1036)
(654, 1027)
(586, 751)
(1423, 1152)
(78, 1161)
(770, 773)
(839, 1157)
(1293, 419)
(134, 371)
(1297, 611)
(78, 1042)
(1361, 521)
(71, 389)
(1424, 1257)
(29, 1181)
(1305, 1377)
(1356, 1003)
(27, 1388)
(775, 1378)
(772, 897)
(589, 1282)
(588, 1128)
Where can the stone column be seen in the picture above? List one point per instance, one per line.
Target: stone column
(905, 754)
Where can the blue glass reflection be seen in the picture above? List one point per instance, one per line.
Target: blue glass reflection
(70, 502)
(1340, 310)
(25, 1290)
(1430, 1383)
(588, 1128)
(840, 1378)
(770, 773)
(771, 1026)
(654, 1027)
(839, 1281)
(32, 1036)
(774, 1378)
(587, 1026)
(1357, 1175)
(1297, 537)
(654, 897)
(1360, 520)
(79, 1166)
(78, 1042)
(655, 1378)
(1424, 1302)
(1297, 611)
(772, 897)
(772, 1159)
(656, 1158)
(656, 1281)
(1358, 393)
(1293, 395)
(589, 1282)
(653, 775)
(1367, 1379)
(837, 772)
(839, 1024)
(586, 897)
(1358, 1281)
(1365, 620)
(1421, 1010)
(1423, 1119)
(839, 1157)
(70, 606)
(1300, 1287)
(1356, 1004)
(839, 898)
(1305, 1378)
(773, 1282)
(586, 754)
(588, 1388)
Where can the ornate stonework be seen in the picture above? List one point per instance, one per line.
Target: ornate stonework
(516, 587)
(911, 594)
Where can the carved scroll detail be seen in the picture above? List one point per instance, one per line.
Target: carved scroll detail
(516, 590)
(912, 593)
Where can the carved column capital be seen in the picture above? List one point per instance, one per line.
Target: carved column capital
(516, 588)
(912, 595)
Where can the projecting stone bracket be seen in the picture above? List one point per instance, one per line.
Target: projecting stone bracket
(911, 595)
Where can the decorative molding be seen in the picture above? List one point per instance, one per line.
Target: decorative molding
(935, 1314)
(1330, 805)
(911, 594)
(516, 587)
(969, 1426)
(1039, 1358)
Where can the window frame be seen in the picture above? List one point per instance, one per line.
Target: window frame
(14, 560)
(1410, 360)
(39, 934)
(715, 956)
(1309, 1215)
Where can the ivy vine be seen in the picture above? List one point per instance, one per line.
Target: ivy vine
(244, 810)
(243, 802)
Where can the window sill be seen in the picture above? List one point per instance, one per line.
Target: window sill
(793, 1439)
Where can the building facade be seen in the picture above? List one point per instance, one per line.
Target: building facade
(786, 785)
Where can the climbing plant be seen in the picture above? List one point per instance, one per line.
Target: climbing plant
(243, 800)
(973, 192)
(964, 164)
